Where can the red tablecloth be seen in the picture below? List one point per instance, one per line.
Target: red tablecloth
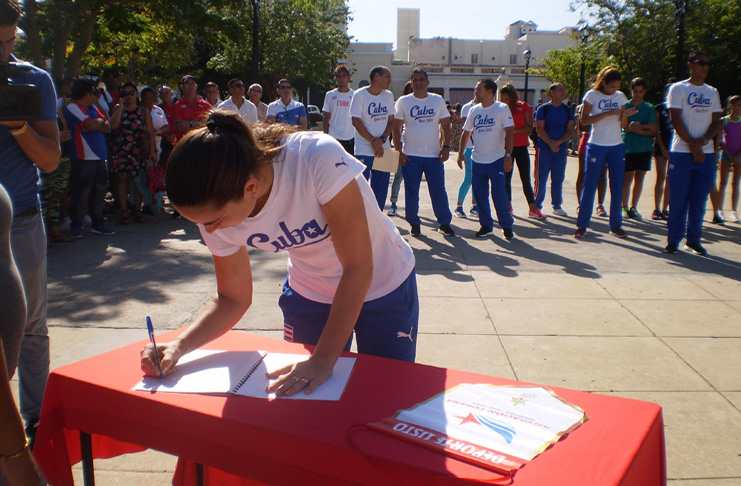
(318, 442)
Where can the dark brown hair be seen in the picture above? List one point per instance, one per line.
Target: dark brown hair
(607, 75)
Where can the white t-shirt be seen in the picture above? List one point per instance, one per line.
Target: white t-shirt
(338, 106)
(698, 103)
(607, 131)
(374, 112)
(487, 125)
(421, 117)
(247, 111)
(159, 120)
(465, 110)
(311, 170)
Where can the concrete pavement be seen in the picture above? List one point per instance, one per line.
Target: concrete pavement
(599, 314)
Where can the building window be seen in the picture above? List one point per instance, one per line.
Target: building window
(474, 58)
(513, 59)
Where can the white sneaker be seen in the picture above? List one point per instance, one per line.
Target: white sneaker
(560, 212)
(65, 225)
(86, 221)
(732, 217)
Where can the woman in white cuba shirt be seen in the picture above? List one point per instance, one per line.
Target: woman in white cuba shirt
(604, 109)
(291, 192)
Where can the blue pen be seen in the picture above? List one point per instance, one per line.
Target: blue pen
(150, 330)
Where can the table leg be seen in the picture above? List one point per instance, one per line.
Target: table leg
(86, 448)
(199, 474)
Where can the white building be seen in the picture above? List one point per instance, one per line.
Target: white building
(455, 65)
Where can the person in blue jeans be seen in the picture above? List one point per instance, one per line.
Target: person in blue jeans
(604, 109)
(695, 112)
(492, 124)
(554, 122)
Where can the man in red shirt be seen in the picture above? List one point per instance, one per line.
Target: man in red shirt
(190, 111)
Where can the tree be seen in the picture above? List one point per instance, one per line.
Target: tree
(564, 66)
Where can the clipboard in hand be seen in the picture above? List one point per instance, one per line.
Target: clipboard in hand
(388, 163)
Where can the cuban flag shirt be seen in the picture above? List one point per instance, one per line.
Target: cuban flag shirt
(337, 104)
(374, 112)
(606, 132)
(288, 114)
(421, 117)
(85, 145)
(488, 126)
(311, 169)
(698, 103)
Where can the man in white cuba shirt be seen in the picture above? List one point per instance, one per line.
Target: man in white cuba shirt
(336, 109)
(372, 114)
(421, 114)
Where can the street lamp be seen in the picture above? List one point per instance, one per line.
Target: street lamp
(528, 54)
(680, 10)
(584, 37)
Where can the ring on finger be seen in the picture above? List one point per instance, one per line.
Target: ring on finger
(304, 380)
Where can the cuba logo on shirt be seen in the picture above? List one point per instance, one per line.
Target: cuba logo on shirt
(608, 105)
(308, 234)
(376, 110)
(698, 100)
(421, 113)
(483, 121)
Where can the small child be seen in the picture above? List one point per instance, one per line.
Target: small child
(730, 158)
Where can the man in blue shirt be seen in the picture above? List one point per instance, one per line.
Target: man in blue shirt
(26, 146)
(285, 109)
(554, 122)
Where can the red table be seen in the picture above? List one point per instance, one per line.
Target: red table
(317, 442)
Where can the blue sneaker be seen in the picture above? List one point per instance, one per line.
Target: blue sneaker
(459, 212)
(392, 210)
(474, 212)
(102, 230)
(75, 233)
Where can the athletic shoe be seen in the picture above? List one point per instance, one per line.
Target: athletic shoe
(732, 217)
(535, 213)
(656, 214)
(474, 212)
(416, 230)
(446, 230)
(633, 213)
(600, 211)
(392, 210)
(65, 225)
(626, 214)
(718, 219)
(671, 248)
(580, 233)
(459, 212)
(483, 231)
(618, 232)
(102, 230)
(508, 234)
(76, 233)
(559, 211)
(696, 248)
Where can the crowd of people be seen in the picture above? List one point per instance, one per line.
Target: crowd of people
(222, 163)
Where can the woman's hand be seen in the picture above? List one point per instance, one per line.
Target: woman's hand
(306, 375)
(169, 354)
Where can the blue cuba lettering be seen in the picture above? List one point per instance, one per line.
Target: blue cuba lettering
(308, 234)
(480, 121)
(376, 109)
(418, 112)
(606, 105)
(695, 99)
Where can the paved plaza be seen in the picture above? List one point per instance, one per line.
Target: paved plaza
(610, 316)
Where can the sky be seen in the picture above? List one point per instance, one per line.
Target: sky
(375, 20)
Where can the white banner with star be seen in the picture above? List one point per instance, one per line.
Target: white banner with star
(498, 427)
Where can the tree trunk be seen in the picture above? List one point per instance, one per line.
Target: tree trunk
(83, 41)
(30, 26)
(63, 17)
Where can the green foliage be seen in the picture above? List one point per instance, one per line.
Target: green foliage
(564, 66)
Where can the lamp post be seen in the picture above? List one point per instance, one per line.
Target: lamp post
(255, 37)
(528, 54)
(584, 37)
(680, 10)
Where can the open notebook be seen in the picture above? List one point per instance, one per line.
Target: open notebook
(208, 371)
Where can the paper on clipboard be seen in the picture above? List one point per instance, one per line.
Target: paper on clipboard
(388, 163)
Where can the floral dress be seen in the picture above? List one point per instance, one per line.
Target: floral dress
(126, 145)
(456, 123)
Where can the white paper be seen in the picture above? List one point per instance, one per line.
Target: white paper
(206, 371)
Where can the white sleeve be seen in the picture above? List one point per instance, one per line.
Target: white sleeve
(216, 245)
(674, 98)
(356, 108)
(272, 109)
(327, 106)
(399, 109)
(331, 167)
(253, 113)
(444, 113)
